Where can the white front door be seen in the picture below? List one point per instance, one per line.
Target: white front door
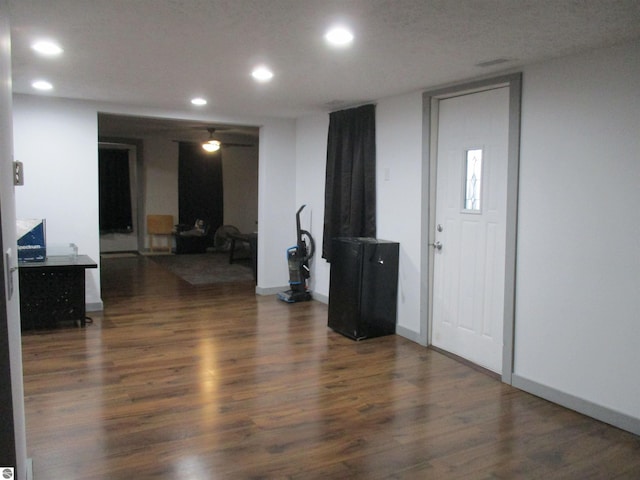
(470, 222)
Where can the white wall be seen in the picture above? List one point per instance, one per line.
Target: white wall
(311, 162)
(276, 198)
(578, 283)
(399, 204)
(160, 179)
(57, 142)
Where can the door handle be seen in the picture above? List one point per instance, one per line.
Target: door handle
(436, 245)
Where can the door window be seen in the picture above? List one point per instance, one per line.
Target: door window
(473, 180)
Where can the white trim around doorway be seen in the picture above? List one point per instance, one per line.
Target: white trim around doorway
(430, 102)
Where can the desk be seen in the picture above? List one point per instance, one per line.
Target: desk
(251, 239)
(53, 291)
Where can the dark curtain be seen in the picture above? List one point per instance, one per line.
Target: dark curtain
(200, 187)
(350, 188)
(114, 191)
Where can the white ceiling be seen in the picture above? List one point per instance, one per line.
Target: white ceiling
(161, 53)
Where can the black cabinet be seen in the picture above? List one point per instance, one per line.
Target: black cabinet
(53, 291)
(363, 289)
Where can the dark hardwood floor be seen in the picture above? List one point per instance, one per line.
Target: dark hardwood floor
(180, 382)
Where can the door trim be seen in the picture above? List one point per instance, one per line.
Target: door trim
(430, 106)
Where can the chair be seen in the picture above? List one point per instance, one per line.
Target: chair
(160, 226)
(222, 240)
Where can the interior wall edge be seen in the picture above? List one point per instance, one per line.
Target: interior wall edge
(410, 335)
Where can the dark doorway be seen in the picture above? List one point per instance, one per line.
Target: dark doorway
(200, 195)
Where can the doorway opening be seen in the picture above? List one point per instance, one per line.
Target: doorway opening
(154, 144)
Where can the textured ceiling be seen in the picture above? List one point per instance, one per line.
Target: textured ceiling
(161, 53)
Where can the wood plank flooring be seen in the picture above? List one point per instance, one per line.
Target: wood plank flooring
(174, 381)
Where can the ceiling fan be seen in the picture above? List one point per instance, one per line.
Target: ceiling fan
(212, 145)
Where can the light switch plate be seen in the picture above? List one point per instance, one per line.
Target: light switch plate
(8, 257)
(18, 173)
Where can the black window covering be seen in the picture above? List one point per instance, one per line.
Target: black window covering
(200, 194)
(350, 187)
(114, 191)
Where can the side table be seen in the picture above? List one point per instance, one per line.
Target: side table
(53, 291)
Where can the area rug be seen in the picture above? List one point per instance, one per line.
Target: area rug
(118, 254)
(206, 268)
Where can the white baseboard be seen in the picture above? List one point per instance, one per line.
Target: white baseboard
(95, 306)
(271, 290)
(320, 298)
(275, 290)
(604, 414)
(408, 334)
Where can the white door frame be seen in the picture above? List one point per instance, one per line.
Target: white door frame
(430, 105)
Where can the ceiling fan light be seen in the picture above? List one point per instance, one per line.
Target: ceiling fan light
(211, 146)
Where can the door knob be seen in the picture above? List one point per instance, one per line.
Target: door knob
(436, 245)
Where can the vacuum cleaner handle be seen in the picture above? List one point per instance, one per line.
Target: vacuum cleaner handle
(300, 241)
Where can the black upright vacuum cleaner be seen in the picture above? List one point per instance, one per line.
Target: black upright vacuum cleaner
(298, 257)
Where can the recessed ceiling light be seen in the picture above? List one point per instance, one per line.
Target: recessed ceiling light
(198, 101)
(46, 47)
(262, 74)
(42, 85)
(339, 37)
